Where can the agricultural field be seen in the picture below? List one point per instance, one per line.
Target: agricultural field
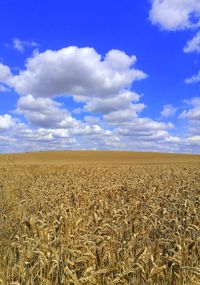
(99, 218)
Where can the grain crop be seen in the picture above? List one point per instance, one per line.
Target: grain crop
(100, 223)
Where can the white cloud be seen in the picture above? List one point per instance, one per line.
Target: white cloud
(5, 73)
(122, 116)
(91, 119)
(6, 121)
(138, 134)
(194, 112)
(147, 134)
(193, 45)
(168, 111)
(22, 137)
(143, 127)
(76, 71)
(191, 114)
(175, 14)
(118, 101)
(193, 79)
(45, 112)
(118, 60)
(22, 45)
(53, 121)
(195, 140)
(42, 134)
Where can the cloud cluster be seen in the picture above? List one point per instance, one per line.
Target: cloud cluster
(174, 15)
(110, 113)
(138, 134)
(102, 84)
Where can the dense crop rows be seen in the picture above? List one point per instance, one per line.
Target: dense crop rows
(111, 225)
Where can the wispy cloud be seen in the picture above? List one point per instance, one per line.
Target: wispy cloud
(193, 79)
(168, 111)
(193, 45)
(22, 45)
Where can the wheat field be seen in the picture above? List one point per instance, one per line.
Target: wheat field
(99, 218)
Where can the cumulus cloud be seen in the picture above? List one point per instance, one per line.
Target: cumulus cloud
(122, 100)
(193, 45)
(76, 71)
(53, 121)
(175, 14)
(101, 84)
(45, 112)
(123, 116)
(168, 111)
(18, 136)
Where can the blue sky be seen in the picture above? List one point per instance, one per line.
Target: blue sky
(86, 74)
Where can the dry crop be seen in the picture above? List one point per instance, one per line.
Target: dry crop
(100, 224)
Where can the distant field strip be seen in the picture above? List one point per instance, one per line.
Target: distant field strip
(95, 157)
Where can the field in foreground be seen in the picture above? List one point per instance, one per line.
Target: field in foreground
(135, 222)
